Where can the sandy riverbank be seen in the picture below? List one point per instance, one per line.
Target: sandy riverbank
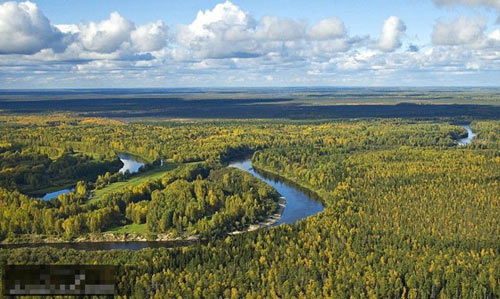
(133, 237)
(266, 223)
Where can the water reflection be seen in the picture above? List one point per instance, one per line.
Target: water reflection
(55, 194)
(129, 164)
(470, 135)
(94, 246)
(299, 205)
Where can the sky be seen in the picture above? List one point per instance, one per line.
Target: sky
(205, 43)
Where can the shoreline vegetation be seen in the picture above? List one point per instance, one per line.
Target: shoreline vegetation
(131, 237)
(148, 237)
(306, 189)
(109, 236)
(152, 237)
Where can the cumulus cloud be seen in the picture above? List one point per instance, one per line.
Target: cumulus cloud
(227, 44)
(225, 21)
(68, 28)
(113, 38)
(493, 3)
(390, 38)
(325, 29)
(462, 31)
(279, 29)
(24, 29)
(227, 31)
(106, 36)
(150, 37)
(495, 35)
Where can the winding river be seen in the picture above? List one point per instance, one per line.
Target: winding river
(470, 135)
(299, 205)
(55, 194)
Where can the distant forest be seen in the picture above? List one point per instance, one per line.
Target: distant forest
(291, 103)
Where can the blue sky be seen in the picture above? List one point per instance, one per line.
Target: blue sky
(157, 43)
(361, 17)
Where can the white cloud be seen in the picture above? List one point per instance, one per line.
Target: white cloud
(390, 38)
(279, 29)
(114, 38)
(226, 45)
(330, 47)
(150, 37)
(225, 31)
(462, 31)
(24, 29)
(225, 21)
(68, 28)
(493, 3)
(331, 28)
(494, 35)
(108, 35)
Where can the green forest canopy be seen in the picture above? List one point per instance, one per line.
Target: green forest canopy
(407, 214)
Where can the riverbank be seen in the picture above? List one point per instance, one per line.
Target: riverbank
(467, 139)
(295, 200)
(270, 221)
(301, 201)
(306, 189)
(96, 238)
(136, 237)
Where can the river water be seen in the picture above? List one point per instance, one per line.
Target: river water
(129, 164)
(93, 246)
(299, 205)
(467, 140)
(55, 194)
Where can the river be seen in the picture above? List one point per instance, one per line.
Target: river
(470, 135)
(299, 205)
(129, 164)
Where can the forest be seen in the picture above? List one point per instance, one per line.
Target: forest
(408, 212)
(260, 103)
(33, 172)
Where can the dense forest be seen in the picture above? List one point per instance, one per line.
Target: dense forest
(182, 202)
(408, 212)
(34, 172)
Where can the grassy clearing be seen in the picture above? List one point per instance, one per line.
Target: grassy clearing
(129, 228)
(135, 181)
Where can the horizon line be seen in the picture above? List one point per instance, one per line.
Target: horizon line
(256, 87)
